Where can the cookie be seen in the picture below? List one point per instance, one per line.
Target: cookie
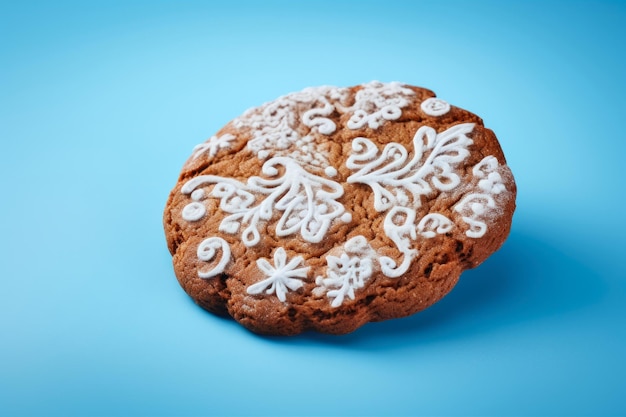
(333, 207)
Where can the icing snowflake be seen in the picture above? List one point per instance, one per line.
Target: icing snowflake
(376, 102)
(281, 277)
(213, 145)
(308, 202)
(347, 272)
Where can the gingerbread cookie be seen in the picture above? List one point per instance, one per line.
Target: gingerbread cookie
(333, 207)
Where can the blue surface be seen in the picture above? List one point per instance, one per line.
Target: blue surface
(102, 102)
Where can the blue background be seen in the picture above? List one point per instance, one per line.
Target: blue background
(102, 102)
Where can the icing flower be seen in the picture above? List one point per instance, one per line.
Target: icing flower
(281, 277)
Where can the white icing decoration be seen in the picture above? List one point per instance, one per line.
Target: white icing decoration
(434, 223)
(435, 106)
(206, 252)
(281, 277)
(391, 177)
(193, 211)
(477, 206)
(399, 226)
(197, 195)
(330, 171)
(308, 202)
(275, 125)
(324, 125)
(358, 245)
(398, 185)
(213, 145)
(376, 102)
(491, 181)
(347, 272)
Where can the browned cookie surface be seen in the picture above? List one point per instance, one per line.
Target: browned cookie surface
(332, 207)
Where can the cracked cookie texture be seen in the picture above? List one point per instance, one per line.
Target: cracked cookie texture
(333, 207)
